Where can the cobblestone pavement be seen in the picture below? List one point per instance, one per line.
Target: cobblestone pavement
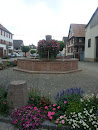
(50, 84)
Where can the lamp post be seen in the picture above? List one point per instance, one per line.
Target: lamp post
(48, 54)
(79, 51)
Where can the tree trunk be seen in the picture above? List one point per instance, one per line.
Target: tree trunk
(25, 54)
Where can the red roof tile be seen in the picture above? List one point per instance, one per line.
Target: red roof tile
(4, 29)
(78, 30)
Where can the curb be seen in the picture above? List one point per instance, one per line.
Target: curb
(47, 72)
(48, 125)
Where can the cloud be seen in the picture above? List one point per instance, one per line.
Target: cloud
(31, 20)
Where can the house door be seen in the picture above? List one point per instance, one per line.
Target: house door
(1, 52)
(96, 48)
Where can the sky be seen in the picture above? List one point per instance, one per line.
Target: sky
(32, 20)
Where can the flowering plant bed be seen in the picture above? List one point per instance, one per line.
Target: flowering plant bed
(72, 108)
(7, 63)
(2, 66)
(3, 99)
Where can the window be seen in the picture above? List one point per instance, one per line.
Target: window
(89, 42)
(10, 44)
(4, 33)
(80, 40)
(9, 35)
(1, 32)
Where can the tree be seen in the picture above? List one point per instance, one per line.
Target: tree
(33, 51)
(61, 45)
(25, 49)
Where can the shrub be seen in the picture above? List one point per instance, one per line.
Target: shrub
(38, 99)
(13, 63)
(5, 57)
(2, 66)
(80, 112)
(33, 51)
(50, 48)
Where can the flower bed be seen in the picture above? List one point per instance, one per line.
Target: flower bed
(2, 66)
(72, 108)
(7, 63)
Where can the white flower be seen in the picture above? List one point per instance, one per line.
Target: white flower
(70, 119)
(95, 126)
(73, 126)
(69, 122)
(84, 108)
(91, 110)
(93, 122)
(81, 100)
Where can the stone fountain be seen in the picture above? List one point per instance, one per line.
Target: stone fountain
(47, 66)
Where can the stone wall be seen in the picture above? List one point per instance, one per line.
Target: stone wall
(48, 65)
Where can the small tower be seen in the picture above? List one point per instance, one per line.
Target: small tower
(48, 38)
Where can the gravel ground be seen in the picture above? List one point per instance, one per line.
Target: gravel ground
(50, 84)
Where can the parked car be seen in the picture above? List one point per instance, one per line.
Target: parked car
(18, 55)
(34, 55)
(13, 55)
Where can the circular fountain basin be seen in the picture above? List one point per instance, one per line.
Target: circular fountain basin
(47, 66)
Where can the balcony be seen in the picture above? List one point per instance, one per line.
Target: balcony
(79, 44)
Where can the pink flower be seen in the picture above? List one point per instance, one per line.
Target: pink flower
(53, 109)
(49, 113)
(86, 97)
(54, 105)
(4, 102)
(53, 113)
(56, 121)
(65, 102)
(46, 107)
(61, 117)
(50, 117)
(32, 98)
(58, 107)
(35, 108)
(62, 121)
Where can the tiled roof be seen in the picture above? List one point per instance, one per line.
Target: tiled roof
(4, 29)
(78, 30)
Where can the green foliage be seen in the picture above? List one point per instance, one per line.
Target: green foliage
(33, 51)
(44, 101)
(74, 107)
(25, 49)
(2, 66)
(7, 63)
(3, 101)
(61, 45)
(5, 57)
(37, 98)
